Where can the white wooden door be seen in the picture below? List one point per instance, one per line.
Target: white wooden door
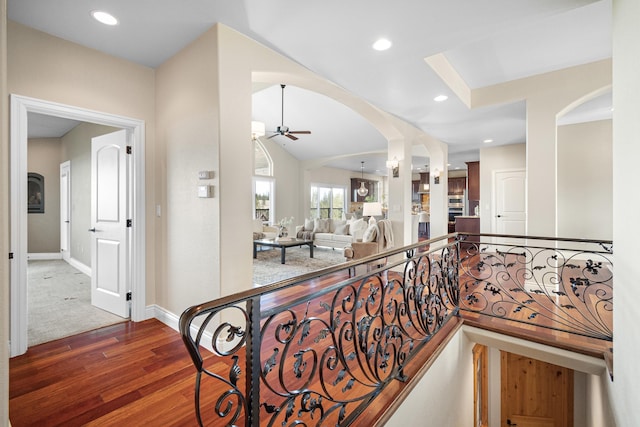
(109, 233)
(510, 207)
(65, 210)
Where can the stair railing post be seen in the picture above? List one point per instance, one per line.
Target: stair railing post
(253, 342)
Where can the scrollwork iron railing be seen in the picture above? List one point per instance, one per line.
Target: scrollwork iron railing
(561, 284)
(298, 356)
(318, 349)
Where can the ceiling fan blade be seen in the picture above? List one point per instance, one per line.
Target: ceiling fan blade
(269, 137)
(308, 132)
(288, 135)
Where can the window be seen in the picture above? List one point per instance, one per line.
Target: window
(262, 163)
(263, 199)
(263, 183)
(327, 201)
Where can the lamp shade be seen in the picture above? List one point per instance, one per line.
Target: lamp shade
(371, 209)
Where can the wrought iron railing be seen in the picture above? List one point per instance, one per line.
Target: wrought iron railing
(317, 349)
(561, 284)
(299, 353)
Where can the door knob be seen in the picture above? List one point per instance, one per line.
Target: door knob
(509, 423)
(93, 230)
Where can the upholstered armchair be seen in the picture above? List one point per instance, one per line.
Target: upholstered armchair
(261, 231)
(377, 238)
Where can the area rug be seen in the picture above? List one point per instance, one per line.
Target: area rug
(59, 302)
(268, 269)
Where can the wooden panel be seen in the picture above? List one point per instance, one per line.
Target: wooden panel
(473, 176)
(535, 393)
(480, 386)
(457, 185)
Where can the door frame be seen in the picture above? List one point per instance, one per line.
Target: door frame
(20, 106)
(66, 165)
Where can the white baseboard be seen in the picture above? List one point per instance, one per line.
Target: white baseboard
(44, 256)
(163, 315)
(173, 321)
(80, 266)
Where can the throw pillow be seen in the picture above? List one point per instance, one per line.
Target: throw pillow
(335, 223)
(342, 230)
(321, 225)
(370, 233)
(308, 224)
(357, 225)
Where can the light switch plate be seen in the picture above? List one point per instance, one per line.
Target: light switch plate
(205, 191)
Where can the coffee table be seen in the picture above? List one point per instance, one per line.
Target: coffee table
(283, 245)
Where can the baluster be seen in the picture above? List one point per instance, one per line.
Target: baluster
(253, 344)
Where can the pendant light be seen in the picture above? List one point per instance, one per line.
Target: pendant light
(362, 191)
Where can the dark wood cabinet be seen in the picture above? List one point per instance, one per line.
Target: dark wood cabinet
(473, 175)
(415, 188)
(457, 185)
(468, 225)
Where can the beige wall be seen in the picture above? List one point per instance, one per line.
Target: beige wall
(548, 96)
(626, 176)
(493, 159)
(436, 397)
(188, 135)
(49, 68)
(76, 147)
(43, 229)
(585, 180)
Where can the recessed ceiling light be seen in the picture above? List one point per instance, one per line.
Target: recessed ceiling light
(441, 98)
(488, 141)
(104, 17)
(382, 44)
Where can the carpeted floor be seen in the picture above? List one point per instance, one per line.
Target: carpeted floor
(59, 302)
(267, 268)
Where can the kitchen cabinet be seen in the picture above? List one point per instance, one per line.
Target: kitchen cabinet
(415, 188)
(457, 185)
(468, 224)
(473, 175)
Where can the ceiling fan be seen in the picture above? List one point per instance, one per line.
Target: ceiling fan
(284, 130)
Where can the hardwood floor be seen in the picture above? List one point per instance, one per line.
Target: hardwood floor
(125, 374)
(141, 374)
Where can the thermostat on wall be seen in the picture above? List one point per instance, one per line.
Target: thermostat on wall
(205, 191)
(205, 175)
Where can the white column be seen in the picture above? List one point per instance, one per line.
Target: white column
(400, 192)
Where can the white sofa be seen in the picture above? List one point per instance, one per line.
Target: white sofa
(332, 233)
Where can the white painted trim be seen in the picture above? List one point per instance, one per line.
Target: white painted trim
(20, 105)
(556, 356)
(44, 256)
(173, 321)
(80, 266)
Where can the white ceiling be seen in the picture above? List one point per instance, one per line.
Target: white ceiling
(487, 42)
